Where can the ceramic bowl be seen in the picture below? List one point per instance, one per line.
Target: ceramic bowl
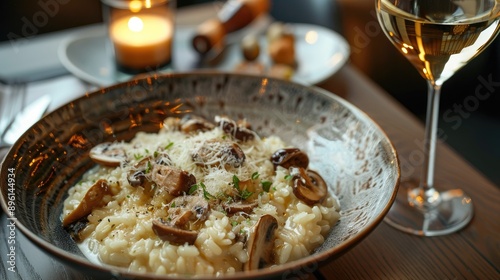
(345, 146)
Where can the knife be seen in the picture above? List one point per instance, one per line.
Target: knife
(28, 116)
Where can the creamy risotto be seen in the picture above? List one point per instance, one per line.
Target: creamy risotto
(199, 198)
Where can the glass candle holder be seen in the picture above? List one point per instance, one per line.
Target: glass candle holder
(140, 34)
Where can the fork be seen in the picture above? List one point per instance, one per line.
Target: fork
(12, 101)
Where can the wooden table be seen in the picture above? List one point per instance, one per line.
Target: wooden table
(473, 253)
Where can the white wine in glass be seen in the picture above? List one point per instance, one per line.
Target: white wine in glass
(438, 37)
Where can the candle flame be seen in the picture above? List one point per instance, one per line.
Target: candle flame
(135, 24)
(135, 6)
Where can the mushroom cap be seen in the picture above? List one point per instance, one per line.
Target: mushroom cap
(172, 234)
(188, 207)
(109, 154)
(190, 123)
(308, 185)
(239, 206)
(260, 245)
(175, 181)
(219, 152)
(93, 198)
(238, 130)
(290, 157)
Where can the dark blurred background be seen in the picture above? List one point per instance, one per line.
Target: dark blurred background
(470, 121)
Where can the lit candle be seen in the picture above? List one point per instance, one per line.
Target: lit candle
(141, 41)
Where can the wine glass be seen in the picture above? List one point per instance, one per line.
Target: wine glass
(438, 37)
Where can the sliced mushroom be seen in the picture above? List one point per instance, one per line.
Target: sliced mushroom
(172, 234)
(175, 181)
(260, 245)
(308, 185)
(74, 229)
(190, 123)
(290, 157)
(162, 158)
(218, 152)
(240, 130)
(137, 175)
(184, 209)
(93, 198)
(136, 178)
(109, 154)
(239, 206)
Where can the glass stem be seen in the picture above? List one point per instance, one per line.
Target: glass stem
(426, 197)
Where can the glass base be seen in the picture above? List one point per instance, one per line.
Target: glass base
(452, 213)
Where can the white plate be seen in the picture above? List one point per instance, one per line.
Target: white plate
(321, 52)
(85, 55)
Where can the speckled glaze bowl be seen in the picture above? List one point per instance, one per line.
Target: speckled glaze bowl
(345, 146)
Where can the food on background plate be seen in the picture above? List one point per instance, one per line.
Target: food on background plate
(280, 42)
(199, 198)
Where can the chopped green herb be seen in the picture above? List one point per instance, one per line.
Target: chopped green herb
(245, 194)
(148, 168)
(288, 177)
(229, 199)
(172, 205)
(137, 156)
(169, 145)
(147, 151)
(234, 223)
(206, 194)
(193, 189)
(155, 154)
(236, 182)
(255, 175)
(266, 185)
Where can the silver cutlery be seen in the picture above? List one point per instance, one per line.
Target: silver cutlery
(28, 116)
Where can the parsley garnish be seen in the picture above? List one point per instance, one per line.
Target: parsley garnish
(169, 145)
(138, 156)
(266, 185)
(193, 189)
(148, 168)
(206, 194)
(236, 183)
(244, 194)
